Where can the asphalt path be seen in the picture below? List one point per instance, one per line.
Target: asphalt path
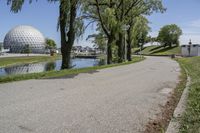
(114, 100)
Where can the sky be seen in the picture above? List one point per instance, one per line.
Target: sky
(43, 16)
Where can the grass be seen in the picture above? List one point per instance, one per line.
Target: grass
(191, 118)
(62, 73)
(9, 61)
(159, 50)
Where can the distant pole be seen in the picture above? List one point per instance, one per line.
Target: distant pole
(125, 48)
(190, 45)
(140, 50)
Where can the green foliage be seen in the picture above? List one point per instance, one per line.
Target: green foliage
(99, 41)
(140, 31)
(112, 16)
(50, 43)
(191, 119)
(169, 35)
(16, 5)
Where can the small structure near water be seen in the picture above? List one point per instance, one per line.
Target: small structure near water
(190, 50)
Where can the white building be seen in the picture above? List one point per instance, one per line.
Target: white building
(23, 38)
(190, 50)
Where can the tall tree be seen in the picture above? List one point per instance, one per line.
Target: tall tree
(50, 43)
(114, 15)
(69, 24)
(102, 12)
(136, 13)
(169, 35)
(136, 33)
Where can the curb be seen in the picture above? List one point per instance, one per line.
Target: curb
(174, 124)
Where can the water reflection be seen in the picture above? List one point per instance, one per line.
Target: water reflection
(27, 68)
(48, 66)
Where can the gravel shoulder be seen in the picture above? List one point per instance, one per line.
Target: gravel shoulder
(114, 100)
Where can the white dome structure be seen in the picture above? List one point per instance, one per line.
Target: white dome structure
(23, 38)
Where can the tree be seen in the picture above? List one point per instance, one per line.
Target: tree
(129, 11)
(137, 34)
(137, 12)
(99, 41)
(50, 43)
(102, 12)
(114, 15)
(169, 35)
(69, 24)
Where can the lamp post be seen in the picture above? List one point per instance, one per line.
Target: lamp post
(140, 50)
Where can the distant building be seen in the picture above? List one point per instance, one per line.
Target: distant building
(152, 44)
(83, 50)
(24, 38)
(190, 50)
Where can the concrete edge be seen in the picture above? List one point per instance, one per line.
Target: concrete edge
(174, 124)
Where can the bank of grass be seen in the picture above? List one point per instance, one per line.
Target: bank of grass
(9, 61)
(62, 73)
(191, 118)
(160, 50)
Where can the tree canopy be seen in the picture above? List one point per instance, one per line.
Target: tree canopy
(50, 43)
(169, 35)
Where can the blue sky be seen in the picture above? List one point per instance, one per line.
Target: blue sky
(43, 16)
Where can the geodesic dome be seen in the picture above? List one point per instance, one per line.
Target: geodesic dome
(23, 38)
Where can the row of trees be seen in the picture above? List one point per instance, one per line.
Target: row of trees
(117, 21)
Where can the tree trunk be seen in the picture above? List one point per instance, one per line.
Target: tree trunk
(120, 45)
(109, 51)
(62, 23)
(66, 46)
(129, 52)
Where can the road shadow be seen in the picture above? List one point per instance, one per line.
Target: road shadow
(156, 48)
(164, 49)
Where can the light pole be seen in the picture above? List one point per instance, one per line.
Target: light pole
(140, 50)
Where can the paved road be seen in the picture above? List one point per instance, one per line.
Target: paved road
(114, 100)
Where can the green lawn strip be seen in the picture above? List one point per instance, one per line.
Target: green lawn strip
(61, 73)
(191, 119)
(10, 61)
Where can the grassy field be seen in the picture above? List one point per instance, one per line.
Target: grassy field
(159, 50)
(9, 61)
(191, 119)
(62, 73)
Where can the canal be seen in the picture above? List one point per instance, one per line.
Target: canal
(48, 66)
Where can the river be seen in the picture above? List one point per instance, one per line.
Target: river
(48, 66)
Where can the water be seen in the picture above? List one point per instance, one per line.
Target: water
(48, 66)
